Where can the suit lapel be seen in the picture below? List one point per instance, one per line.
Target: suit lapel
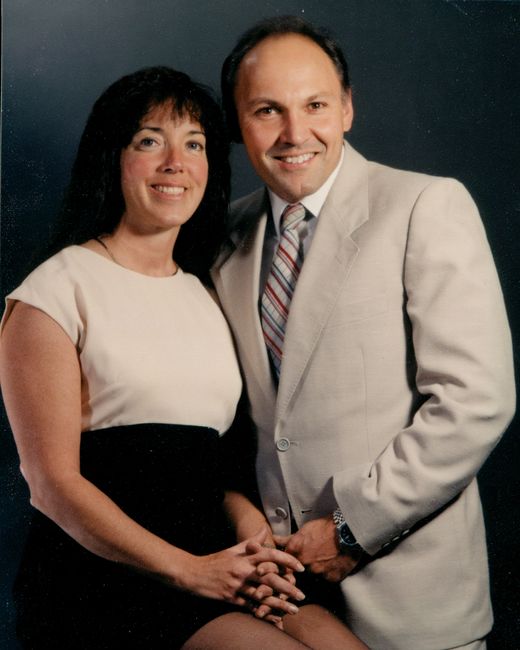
(239, 292)
(324, 272)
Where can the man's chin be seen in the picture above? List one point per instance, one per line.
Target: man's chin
(293, 193)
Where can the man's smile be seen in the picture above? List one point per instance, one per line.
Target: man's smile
(296, 159)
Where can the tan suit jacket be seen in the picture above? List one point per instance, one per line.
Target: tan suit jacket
(396, 384)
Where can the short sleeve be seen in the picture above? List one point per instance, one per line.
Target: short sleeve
(51, 289)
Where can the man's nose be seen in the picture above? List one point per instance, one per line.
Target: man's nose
(295, 128)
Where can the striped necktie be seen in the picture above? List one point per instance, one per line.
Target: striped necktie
(281, 282)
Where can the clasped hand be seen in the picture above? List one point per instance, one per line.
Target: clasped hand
(316, 546)
(247, 573)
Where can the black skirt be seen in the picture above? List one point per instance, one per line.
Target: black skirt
(165, 477)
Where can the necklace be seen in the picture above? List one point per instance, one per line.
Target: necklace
(112, 257)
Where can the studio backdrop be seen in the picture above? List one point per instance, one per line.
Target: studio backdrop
(436, 87)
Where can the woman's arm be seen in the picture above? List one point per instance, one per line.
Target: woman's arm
(246, 518)
(41, 385)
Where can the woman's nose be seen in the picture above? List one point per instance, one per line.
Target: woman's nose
(172, 162)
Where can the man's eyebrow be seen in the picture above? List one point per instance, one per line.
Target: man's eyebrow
(321, 95)
(262, 100)
(269, 100)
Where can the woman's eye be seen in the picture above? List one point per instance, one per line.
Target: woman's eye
(147, 142)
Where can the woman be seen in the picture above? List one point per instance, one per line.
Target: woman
(118, 375)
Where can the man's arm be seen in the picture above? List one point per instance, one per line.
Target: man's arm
(462, 351)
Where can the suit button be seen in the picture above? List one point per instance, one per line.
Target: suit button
(283, 444)
(281, 512)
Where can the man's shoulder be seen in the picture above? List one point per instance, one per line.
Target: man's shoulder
(359, 175)
(383, 173)
(245, 212)
(243, 216)
(404, 186)
(250, 205)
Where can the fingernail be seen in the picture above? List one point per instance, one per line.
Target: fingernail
(300, 567)
(300, 595)
(260, 614)
(293, 609)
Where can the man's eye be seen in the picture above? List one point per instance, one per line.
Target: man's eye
(266, 110)
(316, 105)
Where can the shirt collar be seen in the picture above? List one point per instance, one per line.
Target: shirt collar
(312, 203)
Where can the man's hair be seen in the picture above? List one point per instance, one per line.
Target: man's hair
(276, 26)
(94, 202)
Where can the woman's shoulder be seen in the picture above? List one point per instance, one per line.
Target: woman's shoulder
(52, 287)
(71, 264)
(64, 261)
(54, 270)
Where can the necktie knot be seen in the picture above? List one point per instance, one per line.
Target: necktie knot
(292, 216)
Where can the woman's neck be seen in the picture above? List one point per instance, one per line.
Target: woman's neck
(146, 254)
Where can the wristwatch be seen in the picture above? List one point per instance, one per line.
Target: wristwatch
(346, 539)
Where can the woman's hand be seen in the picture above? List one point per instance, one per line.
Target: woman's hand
(247, 520)
(264, 610)
(232, 575)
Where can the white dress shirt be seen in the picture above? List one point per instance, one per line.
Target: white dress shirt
(312, 204)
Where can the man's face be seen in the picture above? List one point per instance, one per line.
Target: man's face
(292, 113)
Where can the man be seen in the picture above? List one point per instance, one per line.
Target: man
(377, 355)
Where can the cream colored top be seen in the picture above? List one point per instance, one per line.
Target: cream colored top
(152, 349)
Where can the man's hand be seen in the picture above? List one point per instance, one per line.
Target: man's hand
(316, 546)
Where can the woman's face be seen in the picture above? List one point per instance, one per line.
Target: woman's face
(164, 171)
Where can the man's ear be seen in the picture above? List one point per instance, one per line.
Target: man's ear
(348, 110)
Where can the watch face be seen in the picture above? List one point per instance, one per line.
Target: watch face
(346, 536)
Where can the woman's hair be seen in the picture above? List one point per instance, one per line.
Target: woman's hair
(94, 204)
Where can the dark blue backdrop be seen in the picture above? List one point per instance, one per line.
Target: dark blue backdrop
(436, 89)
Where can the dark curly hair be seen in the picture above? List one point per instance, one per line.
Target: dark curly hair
(94, 203)
(275, 26)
